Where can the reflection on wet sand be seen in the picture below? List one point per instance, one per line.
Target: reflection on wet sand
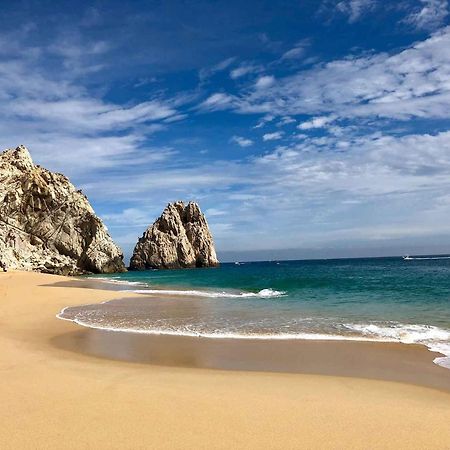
(385, 361)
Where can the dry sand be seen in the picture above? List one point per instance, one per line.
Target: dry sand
(53, 397)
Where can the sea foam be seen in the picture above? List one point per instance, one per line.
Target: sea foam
(434, 338)
(263, 293)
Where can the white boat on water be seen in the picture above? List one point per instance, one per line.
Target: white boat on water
(409, 258)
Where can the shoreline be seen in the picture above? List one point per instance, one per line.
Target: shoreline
(382, 361)
(52, 394)
(440, 359)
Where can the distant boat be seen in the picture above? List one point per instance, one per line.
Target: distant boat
(409, 258)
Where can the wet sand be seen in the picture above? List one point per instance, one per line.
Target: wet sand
(382, 361)
(374, 360)
(60, 390)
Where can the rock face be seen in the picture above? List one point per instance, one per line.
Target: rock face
(179, 238)
(47, 225)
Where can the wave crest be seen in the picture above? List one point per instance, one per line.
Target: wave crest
(263, 293)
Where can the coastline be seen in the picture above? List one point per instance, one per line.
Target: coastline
(383, 361)
(173, 303)
(52, 391)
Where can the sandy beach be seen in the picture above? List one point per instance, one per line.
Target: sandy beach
(62, 389)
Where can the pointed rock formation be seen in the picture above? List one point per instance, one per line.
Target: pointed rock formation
(47, 225)
(179, 238)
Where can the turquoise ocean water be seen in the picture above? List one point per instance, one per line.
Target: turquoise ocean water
(387, 299)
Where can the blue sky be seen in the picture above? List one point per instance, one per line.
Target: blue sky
(303, 129)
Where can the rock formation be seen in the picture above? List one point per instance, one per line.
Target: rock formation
(179, 238)
(47, 225)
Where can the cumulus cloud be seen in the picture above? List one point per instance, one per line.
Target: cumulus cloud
(276, 135)
(316, 122)
(286, 120)
(264, 82)
(430, 15)
(242, 141)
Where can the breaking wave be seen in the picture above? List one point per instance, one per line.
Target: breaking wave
(263, 293)
(434, 338)
(118, 281)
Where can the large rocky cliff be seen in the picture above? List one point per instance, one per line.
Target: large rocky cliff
(48, 225)
(179, 238)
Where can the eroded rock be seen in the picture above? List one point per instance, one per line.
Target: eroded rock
(47, 225)
(179, 238)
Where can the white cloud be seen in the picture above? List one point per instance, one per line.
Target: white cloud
(336, 186)
(323, 193)
(130, 217)
(217, 101)
(66, 127)
(293, 53)
(264, 82)
(242, 70)
(241, 141)
(403, 179)
(401, 164)
(400, 178)
(74, 50)
(220, 66)
(412, 83)
(316, 122)
(286, 120)
(297, 51)
(273, 136)
(156, 184)
(429, 16)
(214, 212)
(266, 119)
(88, 114)
(355, 9)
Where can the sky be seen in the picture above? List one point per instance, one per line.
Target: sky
(303, 128)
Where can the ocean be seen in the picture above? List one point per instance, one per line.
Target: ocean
(379, 299)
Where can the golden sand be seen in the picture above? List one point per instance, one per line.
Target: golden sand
(55, 398)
